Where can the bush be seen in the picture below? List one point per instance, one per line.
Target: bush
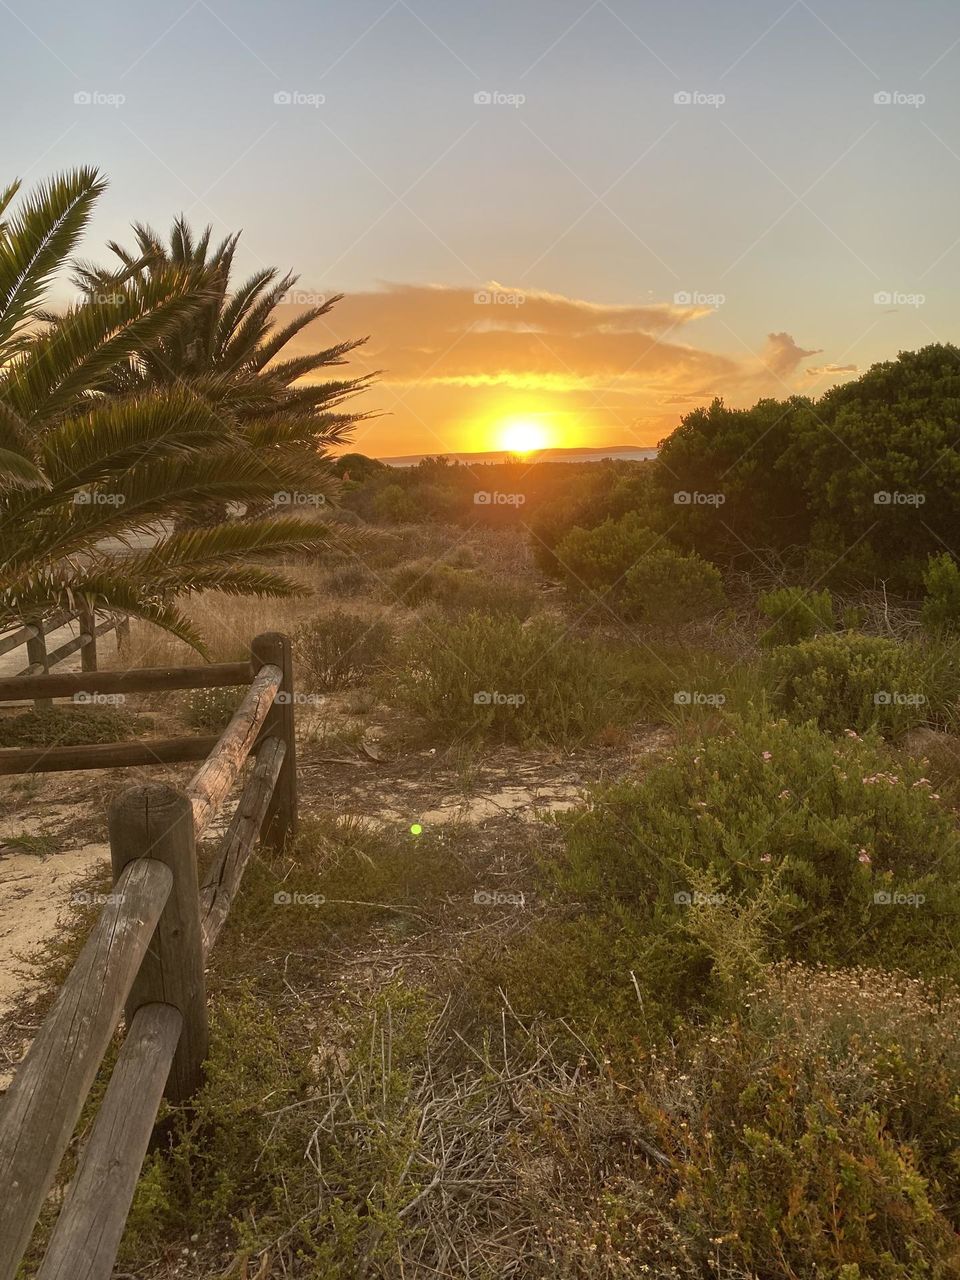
(490, 676)
(795, 614)
(853, 681)
(941, 608)
(596, 560)
(666, 588)
(832, 1101)
(394, 505)
(69, 726)
(459, 590)
(776, 839)
(340, 648)
(211, 710)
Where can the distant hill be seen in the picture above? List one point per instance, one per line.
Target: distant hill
(624, 452)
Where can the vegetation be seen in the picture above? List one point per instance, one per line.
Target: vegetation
(92, 449)
(339, 648)
(57, 726)
(795, 614)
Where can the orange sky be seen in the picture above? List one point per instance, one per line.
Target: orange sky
(457, 364)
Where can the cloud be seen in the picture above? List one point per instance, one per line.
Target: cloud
(828, 370)
(783, 357)
(454, 358)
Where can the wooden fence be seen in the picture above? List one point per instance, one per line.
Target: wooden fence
(34, 636)
(145, 956)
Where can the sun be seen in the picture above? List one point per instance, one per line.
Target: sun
(522, 435)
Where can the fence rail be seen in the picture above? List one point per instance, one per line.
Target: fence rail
(33, 635)
(145, 956)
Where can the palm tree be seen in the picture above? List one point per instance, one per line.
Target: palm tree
(87, 476)
(228, 351)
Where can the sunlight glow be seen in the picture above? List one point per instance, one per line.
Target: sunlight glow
(522, 435)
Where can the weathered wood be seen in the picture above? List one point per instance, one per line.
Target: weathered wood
(156, 821)
(83, 641)
(123, 632)
(212, 782)
(135, 680)
(37, 657)
(105, 755)
(223, 879)
(88, 627)
(88, 1231)
(281, 819)
(20, 637)
(44, 1101)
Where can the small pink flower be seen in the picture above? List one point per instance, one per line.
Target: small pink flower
(864, 857)
(785, 795)
(765, 857)
(767, 755)
(852, 733)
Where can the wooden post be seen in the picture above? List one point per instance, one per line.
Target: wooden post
(123, 633)
(37, 656)
(281, 819)
(156, 821)
(88, 627)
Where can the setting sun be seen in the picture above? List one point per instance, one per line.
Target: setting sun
(522, 435)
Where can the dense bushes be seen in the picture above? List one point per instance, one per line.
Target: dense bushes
(339, 648)
(941, 608)
(69, 726)
(795, 614)
(851, 681)
(627, 567)
(669, 589)
(769, 842)
(485, 676)
(862, 484)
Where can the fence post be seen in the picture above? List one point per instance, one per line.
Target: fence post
(123, 632)
(88, 627)
(156, 821)
(37, 655)
(281, 818)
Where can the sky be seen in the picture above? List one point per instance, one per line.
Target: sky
(585, 216)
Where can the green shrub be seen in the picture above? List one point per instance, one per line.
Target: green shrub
(779, 837)
(339, 648)
(395, 505)
(211, 710)
(459, 590)
(490, 676)
(69, 726)
(941, 607)
(667, 588)
(851, 681)
(597, 560)
(795, 614)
